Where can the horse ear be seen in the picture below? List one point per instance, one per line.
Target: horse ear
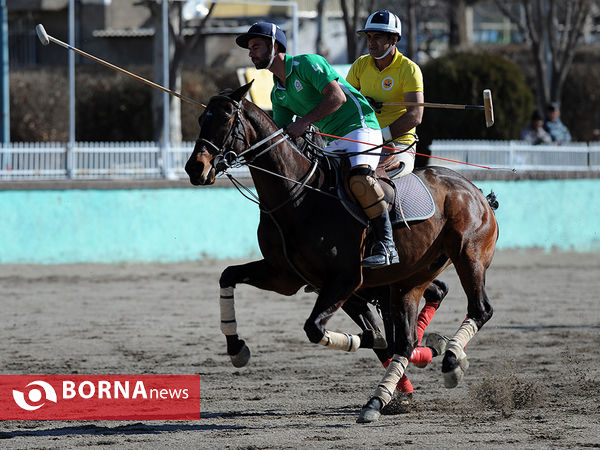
(241, 92)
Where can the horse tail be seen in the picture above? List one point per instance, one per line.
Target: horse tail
(492, 200)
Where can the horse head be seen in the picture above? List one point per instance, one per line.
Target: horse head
(223, 136)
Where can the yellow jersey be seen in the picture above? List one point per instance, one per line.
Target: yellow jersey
(387, 85)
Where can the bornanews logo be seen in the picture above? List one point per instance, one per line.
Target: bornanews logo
(100, 397)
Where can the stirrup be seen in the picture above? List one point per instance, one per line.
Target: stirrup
(395, 173)
(383, 259)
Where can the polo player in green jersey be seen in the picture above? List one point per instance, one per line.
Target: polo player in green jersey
(308, 87)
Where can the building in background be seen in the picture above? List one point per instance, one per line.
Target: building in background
(122, 31)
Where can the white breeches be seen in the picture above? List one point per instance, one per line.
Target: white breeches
(370, 137)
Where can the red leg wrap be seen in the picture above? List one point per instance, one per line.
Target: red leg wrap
(424, 318)
(421, 356)
(404, 385)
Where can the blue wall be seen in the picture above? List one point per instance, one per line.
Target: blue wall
(188, 224)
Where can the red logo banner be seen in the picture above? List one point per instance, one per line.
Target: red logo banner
(100, 397)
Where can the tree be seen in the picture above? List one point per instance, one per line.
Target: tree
(412, 13)
(553, 30)
(351, 24)
(458, 35)
(412, 29)
(360, 11)
(179, 46)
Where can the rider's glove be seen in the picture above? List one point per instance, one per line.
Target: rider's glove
(375, 104)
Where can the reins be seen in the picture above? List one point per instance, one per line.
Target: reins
(241, 159)
(230, 159)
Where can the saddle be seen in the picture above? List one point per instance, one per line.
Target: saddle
(407, 197)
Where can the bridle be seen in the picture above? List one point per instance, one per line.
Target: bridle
(225, 159)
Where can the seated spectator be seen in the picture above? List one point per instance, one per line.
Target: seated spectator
(534, 133)
(558, 130)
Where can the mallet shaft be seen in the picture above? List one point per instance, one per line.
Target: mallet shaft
(487, 106)
(126, 72)
(435, 105)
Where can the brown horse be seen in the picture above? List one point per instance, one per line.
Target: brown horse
(307, 237)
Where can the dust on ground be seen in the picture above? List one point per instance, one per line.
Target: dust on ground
(533, 381)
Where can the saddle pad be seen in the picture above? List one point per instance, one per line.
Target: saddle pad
(414, 198)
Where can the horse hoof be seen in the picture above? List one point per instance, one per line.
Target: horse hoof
(241, 358)
(372, 339)
(399, 404)
(379, 342)
(370, 412)
(454, 369)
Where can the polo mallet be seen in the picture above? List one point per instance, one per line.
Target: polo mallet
(45, 39)
(487, 107)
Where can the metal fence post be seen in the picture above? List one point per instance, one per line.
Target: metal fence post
(71, 143)
(4, 90)
(166, 100)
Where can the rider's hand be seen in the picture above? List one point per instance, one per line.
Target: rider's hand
(375, 104)
(297, 128)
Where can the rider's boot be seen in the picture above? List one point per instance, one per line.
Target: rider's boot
(384, 249)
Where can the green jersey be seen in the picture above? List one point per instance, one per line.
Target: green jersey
(305, 78)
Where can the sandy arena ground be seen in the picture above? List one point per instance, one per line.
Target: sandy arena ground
(534, 380)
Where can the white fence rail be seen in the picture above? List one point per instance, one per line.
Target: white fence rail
(576, 156)
(126, 160)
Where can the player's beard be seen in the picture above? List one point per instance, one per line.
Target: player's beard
(261, 62)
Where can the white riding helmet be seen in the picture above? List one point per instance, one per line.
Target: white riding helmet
(383, 21)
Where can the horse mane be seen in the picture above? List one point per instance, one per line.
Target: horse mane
(303, 145)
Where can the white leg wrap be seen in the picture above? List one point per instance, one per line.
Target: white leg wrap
(388, 383)
(340, 341)
(465, 333)
(228, 323)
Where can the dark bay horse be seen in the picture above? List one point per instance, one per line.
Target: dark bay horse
(307, 237)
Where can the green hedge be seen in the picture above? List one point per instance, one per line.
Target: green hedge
(580, 106)
(110, 106)
(113, 107)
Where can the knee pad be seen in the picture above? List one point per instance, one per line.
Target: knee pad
(367, 191)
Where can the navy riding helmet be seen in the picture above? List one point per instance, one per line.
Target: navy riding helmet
(264, 30)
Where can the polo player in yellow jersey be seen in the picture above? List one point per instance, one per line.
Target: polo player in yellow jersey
(386, 75)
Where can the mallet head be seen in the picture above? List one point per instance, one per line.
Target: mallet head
(41, 32)
(488, 108)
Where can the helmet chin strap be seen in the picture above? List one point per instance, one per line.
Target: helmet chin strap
(272, 46)
(386, 53)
